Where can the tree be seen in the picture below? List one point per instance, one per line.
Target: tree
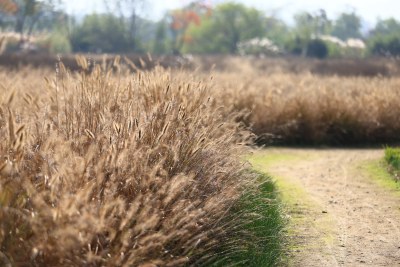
(347, 26)
(385, 38)
(127, 10)
(385, 46)
(26, 13)
(386, 27)
(182, 19)
(276, 30)
(119, 30)
(308, 27)
(102, 33)
(160, 40)
(144, 35)
(229, 24)
(8, 9)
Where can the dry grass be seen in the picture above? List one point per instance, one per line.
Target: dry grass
(308, 109)
(116, 170)
(344, 67)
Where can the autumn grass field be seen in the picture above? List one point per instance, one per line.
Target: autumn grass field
(108, 167)
(119, 169)
(304, 109)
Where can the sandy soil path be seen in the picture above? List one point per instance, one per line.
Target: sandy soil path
(340, 217)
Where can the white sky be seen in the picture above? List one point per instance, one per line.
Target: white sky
(370, 10)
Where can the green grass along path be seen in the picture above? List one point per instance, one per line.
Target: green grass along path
(343, 208)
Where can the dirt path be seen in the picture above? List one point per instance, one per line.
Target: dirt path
(339, 216)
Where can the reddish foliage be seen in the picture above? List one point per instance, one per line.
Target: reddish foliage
(183, 18)
(193, 17)
(8, 6)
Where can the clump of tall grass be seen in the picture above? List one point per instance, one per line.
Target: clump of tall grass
(392, 158)
(258, 241)
(117, 170)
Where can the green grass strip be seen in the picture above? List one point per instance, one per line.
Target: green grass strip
(378, 171)
(259, 241)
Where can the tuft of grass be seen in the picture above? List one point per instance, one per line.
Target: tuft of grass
(107, 168)
(259, 241)
(392, 158)
(379, 172)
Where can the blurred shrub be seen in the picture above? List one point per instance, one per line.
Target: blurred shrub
(317, 48)
(294, 46)
(57, 42)
(334, 50)
(314, 48)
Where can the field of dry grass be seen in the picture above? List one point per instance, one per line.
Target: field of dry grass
(306, 109)
(112, 168)
(108, 169)
(343, 67)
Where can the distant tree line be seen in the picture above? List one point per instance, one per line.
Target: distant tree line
(227, 28)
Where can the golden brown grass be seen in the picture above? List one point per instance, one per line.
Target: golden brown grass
(308, 109)
(104, 169)
(110, 168)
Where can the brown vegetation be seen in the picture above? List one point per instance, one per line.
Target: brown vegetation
(370, 67)
(18, 61)
(115, 170)
(308, 109)
(110, 168)
(343, 67)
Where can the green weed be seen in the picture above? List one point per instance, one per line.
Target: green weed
(392, 157)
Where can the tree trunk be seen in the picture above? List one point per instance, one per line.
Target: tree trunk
(132, 29)
(19, 27)
(32, 25)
